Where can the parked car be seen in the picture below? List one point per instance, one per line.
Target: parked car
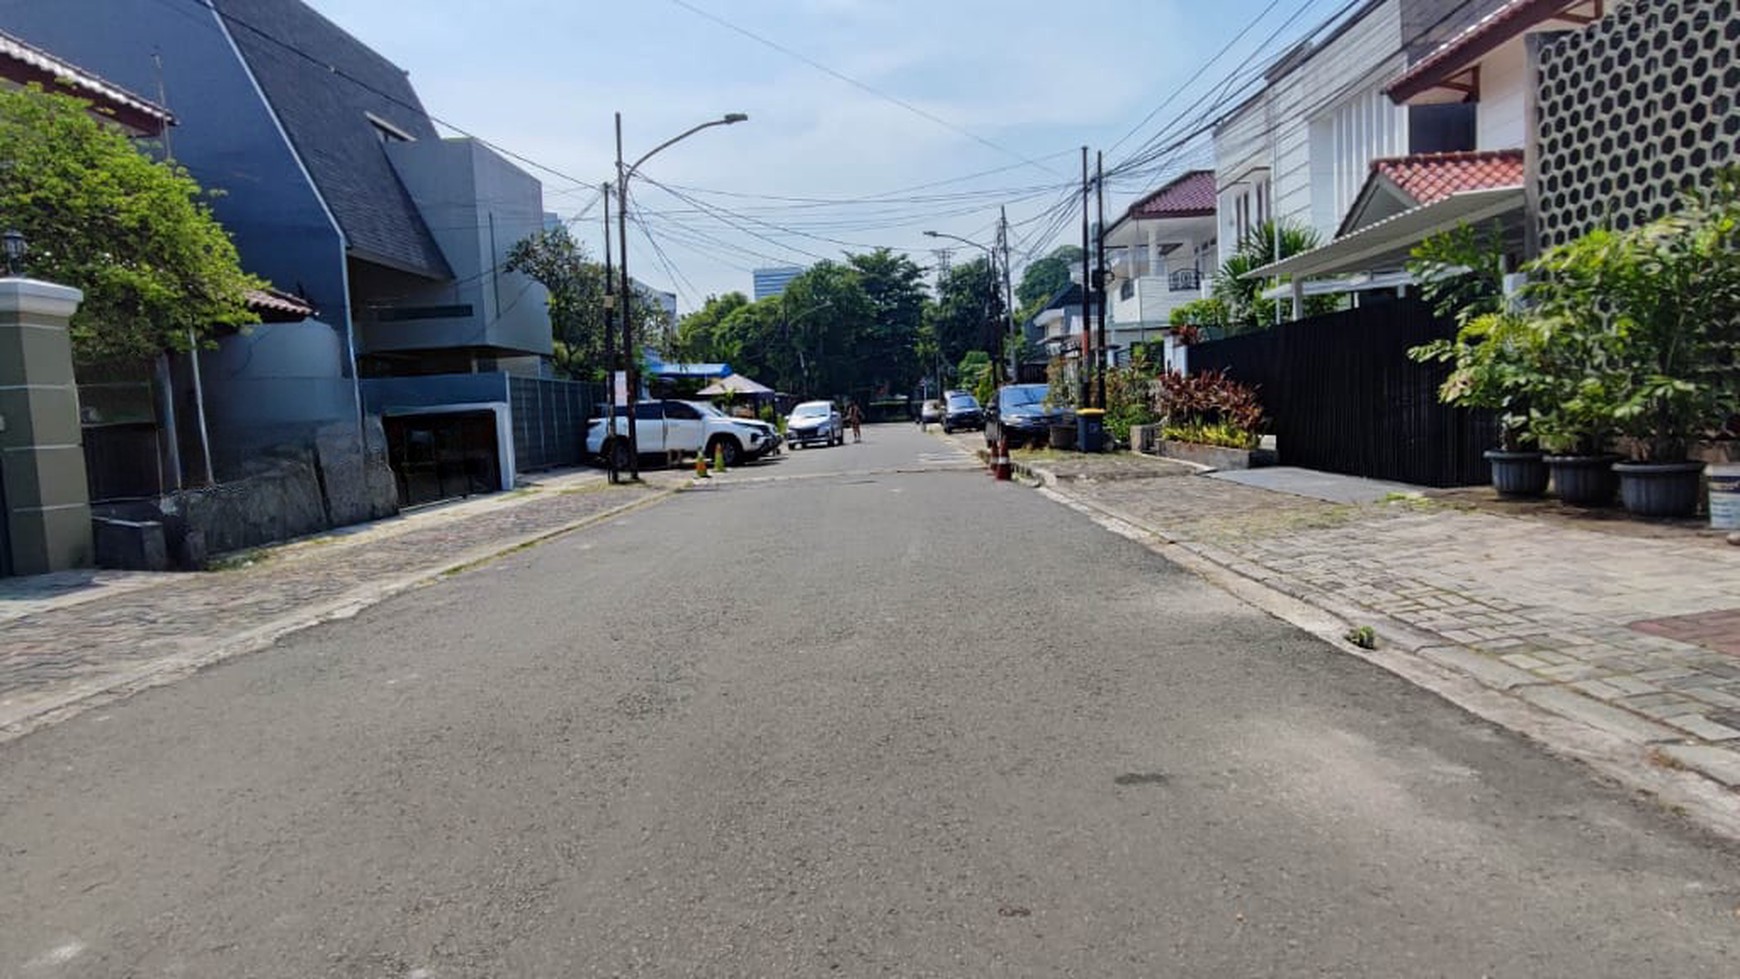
(961, 410)
(930, 412)
(1019, 413)
(680, 428)
(815, 421)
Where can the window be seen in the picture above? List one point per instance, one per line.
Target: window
(649, 411)
(681, 412)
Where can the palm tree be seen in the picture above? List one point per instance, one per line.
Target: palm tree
(1264, 244)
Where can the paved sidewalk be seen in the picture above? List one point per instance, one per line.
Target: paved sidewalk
(1638, 638)
(75, 640)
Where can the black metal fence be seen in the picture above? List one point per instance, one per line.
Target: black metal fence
(550, 418)
(1343, 396)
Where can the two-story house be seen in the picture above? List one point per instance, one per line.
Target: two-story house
(1300, 150)
(335, 185)
(1464, 161)
(1162, 253)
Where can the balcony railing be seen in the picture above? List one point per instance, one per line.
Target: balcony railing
(1185, 280)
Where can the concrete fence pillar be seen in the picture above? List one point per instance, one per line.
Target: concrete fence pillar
(43, 492)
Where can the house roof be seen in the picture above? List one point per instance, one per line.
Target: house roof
(1453, 59)
(324, 86)
(1190, 194)
(1398, 183)
(24, 63)
(278, 305)
(1387, 243)
(1428, 177)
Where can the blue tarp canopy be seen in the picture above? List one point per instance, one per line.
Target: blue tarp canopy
(659, 368)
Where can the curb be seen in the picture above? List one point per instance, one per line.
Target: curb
(1688, 777)
(168, 669)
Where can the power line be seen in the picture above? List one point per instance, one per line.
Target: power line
(813, 63)
(409, 106)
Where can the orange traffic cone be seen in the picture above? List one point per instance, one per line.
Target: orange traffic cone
(1004, 470)
(701, 466)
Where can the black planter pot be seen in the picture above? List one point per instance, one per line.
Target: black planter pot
(1519, 474)
(1584, 480)
(1660, 489)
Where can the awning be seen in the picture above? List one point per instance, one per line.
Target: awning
(1358, 282)
(1386, 244)
(733, 384)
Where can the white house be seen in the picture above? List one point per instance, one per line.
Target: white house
(1161, 254)
(1484, 71)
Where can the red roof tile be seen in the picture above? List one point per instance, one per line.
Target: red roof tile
(273, 301)
(1429, 177)
(1189, 195)
(23, 62)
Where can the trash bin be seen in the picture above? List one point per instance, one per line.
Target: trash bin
(1090, 430)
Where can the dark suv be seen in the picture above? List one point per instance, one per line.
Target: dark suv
(1019, 413)
(961, 410)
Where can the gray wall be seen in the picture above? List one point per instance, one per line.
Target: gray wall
(226, 138)
(384, 394)
(477, 205)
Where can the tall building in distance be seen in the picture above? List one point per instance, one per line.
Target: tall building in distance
(772, 281)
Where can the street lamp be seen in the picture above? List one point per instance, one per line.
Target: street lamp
(15, 248)
(631, 370)
(1008, 301)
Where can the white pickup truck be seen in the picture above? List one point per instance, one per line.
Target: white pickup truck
(681, 428)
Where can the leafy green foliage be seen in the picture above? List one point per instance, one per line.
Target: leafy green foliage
(1210, 312)
(1263, 245)
(968, 310)
(1210, 433)
(1127, 399)
(575, 288)
(135, 234)
(1043, 278)
(1497, 362)
(1461, 271)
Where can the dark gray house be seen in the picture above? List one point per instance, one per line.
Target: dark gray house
(337, 187)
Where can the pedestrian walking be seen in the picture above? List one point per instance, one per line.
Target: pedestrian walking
(855, 418)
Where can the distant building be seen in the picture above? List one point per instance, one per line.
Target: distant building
(666, 301)
(772, 281)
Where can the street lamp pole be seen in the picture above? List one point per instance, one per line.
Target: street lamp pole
(631, 368)
(991, 258)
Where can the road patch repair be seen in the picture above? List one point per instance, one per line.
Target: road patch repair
(1619, 652)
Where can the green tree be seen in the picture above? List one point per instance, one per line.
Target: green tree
(135, 234)
(888, 351)
(969, 310)
(575, 289)
(1041, 279)
(830, 315)
(698, 337)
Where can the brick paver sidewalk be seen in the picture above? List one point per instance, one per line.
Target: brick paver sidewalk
(1637, 637)
(61, 653)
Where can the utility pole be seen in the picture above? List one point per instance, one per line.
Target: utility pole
(1087, 290)
(1101, 349)
(609, 341)
(629, 368)
(1015, 339)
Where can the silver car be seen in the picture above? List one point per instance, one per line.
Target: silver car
(815, 422)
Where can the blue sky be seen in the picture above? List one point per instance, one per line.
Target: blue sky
(1036, 79)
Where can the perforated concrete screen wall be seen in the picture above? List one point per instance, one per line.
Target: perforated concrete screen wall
(1635, 109)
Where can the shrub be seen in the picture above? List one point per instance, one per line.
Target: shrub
(1207, 399)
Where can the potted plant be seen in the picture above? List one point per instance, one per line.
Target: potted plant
(1494, 354)
(1640, 330)
(1495, 362)
(1674, 287)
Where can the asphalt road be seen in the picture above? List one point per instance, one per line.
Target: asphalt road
(910, 723)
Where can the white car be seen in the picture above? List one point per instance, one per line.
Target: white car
(681, 428)
(815, 421)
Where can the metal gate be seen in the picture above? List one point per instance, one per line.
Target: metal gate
(549, 418)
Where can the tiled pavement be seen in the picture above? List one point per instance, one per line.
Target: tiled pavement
(60, 646)
(1575, 621)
